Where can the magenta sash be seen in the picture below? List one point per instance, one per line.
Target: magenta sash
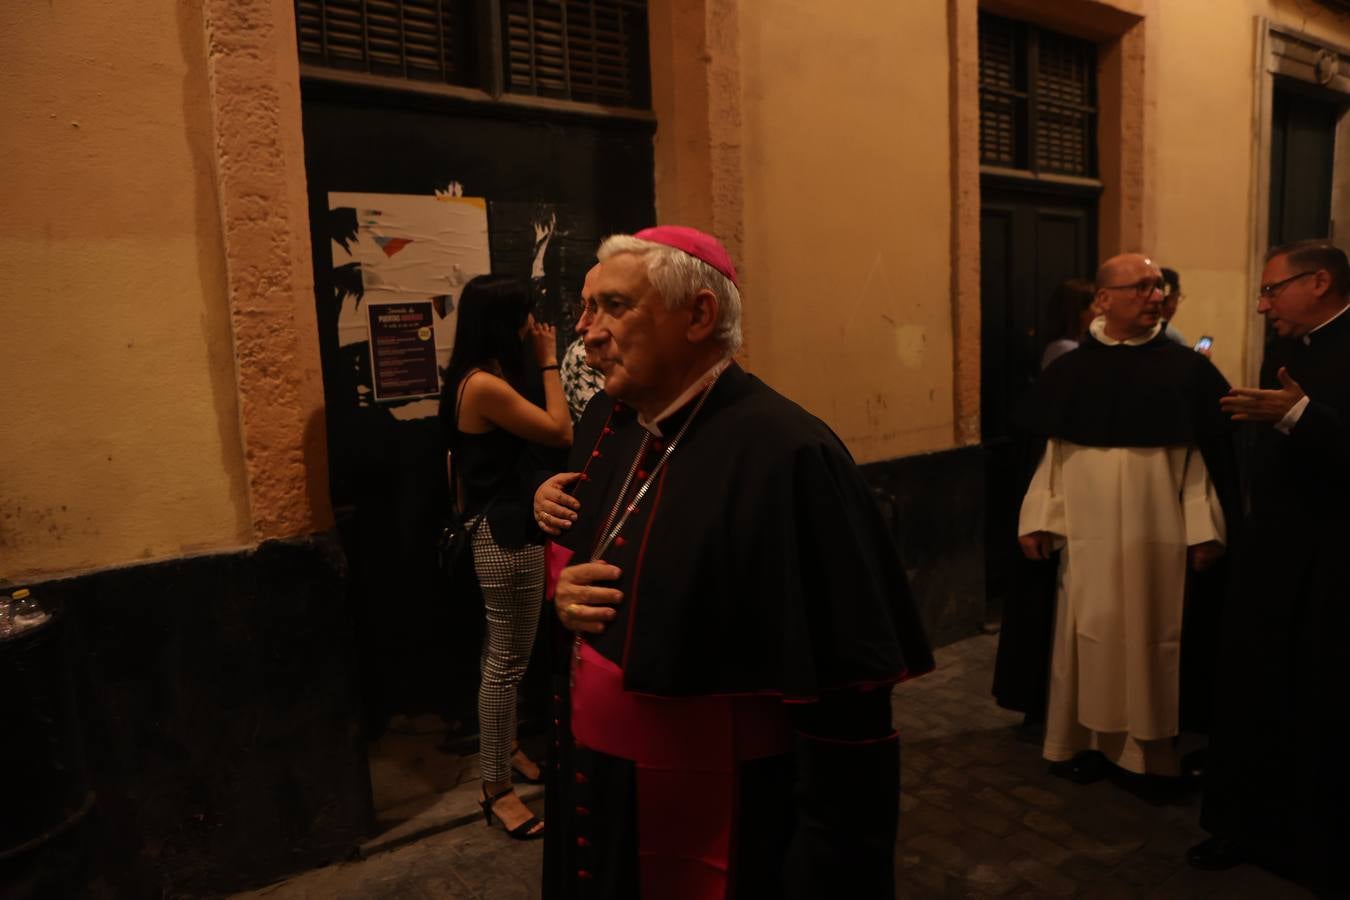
(686, 751)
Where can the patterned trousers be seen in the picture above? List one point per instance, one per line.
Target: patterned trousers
(512, 581)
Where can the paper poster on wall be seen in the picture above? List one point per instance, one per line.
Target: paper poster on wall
(405, 247)
(402, 352)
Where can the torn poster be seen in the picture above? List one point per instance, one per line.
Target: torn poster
(404, 248)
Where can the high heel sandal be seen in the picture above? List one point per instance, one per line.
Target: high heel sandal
(522, 831)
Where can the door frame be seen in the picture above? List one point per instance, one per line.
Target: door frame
(1289, 53)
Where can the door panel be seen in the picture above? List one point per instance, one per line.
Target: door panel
(1030, 242)
(1302, 152)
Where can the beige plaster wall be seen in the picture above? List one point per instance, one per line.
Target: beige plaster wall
(1203, 126)
(120, 429)
(847, 215)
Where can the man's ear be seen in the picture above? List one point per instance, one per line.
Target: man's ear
(1322, 282)
(703, 311)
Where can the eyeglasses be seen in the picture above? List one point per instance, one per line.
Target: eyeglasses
(1143, 287)
(1268, 291)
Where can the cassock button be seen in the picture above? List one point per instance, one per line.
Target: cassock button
(579, 778)
(642, 474)
(606, 430)
(585, 477)
(557, 722)
(619, 542)
(583, 875)
(583, 843)
(583, 811)
(595, 454)
(618, 407)
(557, 698)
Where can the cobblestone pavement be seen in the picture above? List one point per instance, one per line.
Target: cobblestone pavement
(980, 818)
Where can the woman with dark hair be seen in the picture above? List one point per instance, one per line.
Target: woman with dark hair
(491, 425)
(1072, 309)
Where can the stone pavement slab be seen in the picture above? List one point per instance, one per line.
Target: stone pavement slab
(980, 817)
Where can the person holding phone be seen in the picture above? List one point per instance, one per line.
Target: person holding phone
(491, 425)
(1171, 299)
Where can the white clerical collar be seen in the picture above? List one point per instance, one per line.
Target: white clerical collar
(1307, 338)
(1098, 330)
(681, 401)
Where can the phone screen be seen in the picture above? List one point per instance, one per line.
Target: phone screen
(1204, 343)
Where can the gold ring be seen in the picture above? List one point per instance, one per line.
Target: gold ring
(570, 609)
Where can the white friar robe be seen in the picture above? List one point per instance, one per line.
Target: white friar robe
(1123, 518)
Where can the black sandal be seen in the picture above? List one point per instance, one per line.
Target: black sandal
(522, 831)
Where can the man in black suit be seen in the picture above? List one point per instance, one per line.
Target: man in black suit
(1278, 787)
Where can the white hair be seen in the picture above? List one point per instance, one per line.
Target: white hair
(679, 276)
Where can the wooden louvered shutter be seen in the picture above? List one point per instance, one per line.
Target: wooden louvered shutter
(417, 39)
(1003, 93)
(1038, 96)
(592, 51)
(1065, 105)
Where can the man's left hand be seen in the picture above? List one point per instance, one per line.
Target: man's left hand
(1203, 556)
(1255, 405)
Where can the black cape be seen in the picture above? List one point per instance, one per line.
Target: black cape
(758, 563)
(1278, 780)
(1156, 394)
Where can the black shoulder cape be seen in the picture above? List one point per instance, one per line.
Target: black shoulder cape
(758, 561)
(1156, 394)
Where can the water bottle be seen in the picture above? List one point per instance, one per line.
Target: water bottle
(26, 611)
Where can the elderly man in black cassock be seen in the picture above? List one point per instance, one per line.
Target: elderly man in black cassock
(1278, 786)
(732, 614)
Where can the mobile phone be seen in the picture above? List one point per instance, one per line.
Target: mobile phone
(1204, 343)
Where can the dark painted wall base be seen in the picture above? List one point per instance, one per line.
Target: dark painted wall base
(220, 725)
(220, 713)
(935, 503)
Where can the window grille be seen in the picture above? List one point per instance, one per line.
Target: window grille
(1038, 98)
(588, 50)
(416, 39)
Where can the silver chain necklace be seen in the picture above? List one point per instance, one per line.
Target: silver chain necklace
(609, 534)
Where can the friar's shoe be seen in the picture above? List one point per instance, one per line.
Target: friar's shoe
(1085, 768)
(1194, 764)
(1215, 855)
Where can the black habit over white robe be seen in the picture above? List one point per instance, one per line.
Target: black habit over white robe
(758, 565)
(1124, 488)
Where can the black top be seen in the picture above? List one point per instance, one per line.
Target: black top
(495, 467)
(758, 562)
(1156, 394)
